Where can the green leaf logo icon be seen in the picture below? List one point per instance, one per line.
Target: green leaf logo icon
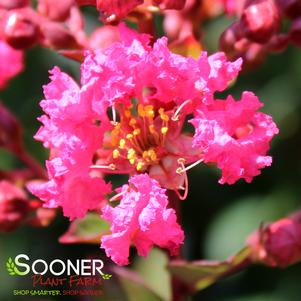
(106, 276)
(11, 268)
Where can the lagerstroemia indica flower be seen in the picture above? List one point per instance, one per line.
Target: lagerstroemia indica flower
(128, 117)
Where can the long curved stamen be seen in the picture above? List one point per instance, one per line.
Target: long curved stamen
(184, 196)
(175, 116)
(114, 115)
(184, 169)
(117, 196)
(110, 166)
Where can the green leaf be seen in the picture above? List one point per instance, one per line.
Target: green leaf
(153, 270)
(201, 274)
(86, 230)
(134, 286)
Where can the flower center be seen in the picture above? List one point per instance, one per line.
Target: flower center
(140, 135)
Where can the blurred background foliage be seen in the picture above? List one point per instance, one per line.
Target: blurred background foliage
(216, 219)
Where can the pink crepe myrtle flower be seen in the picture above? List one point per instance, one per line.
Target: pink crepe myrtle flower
(141, 218)
(128, 117)
(235, 136)
(11, 63)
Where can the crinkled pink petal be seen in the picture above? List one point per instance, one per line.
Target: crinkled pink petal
(235, 136)
(68, 130)
(141, 218)
(222, 71)
(11, 63)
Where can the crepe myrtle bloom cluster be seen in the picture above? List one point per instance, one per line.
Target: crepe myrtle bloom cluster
(128, 116)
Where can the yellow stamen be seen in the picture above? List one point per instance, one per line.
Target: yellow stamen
(116, 153)
(136, 132)
(141, 112)
(133, 121)
(139, 166)
(122, 143)
(164, 130)
(127, 113)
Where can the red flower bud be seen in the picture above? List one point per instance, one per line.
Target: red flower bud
(170, 4)
(55, 10)
(13, 206)
(295, 32)
(229, 37)
(104, 36)
(11, 4)
(290, 8)
(260, 20)
(20, 31)
(278, 244)
(58, 37)
(10, 130)
(114, 10)
(278, 43)
(86, 2)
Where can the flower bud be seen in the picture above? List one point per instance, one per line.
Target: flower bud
(170, 4)
(13, 206)
(58, 37)
(290, 8)
(229, 37)
(86, 2)
(12, 4)
(55, 10)
(260, 20)
(278, 43)
(278, 244)
(20, 31)
(104, 36)
(10, 130)
(295, 32)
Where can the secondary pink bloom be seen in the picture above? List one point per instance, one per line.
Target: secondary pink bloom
(235, 136)
(148, 93)
(11, 63)
(141, 218)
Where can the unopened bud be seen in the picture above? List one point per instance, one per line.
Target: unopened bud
(170, 4)
(104, 36)
(290, 8)
(55, 9)
(13, 206)
(58, 37)
(278, 244)
(20, 31)
(12, 4)
(278, 43)
(86, 2)
(229, 37)
(260, 20)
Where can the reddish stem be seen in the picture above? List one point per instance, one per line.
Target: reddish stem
(180, 290)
